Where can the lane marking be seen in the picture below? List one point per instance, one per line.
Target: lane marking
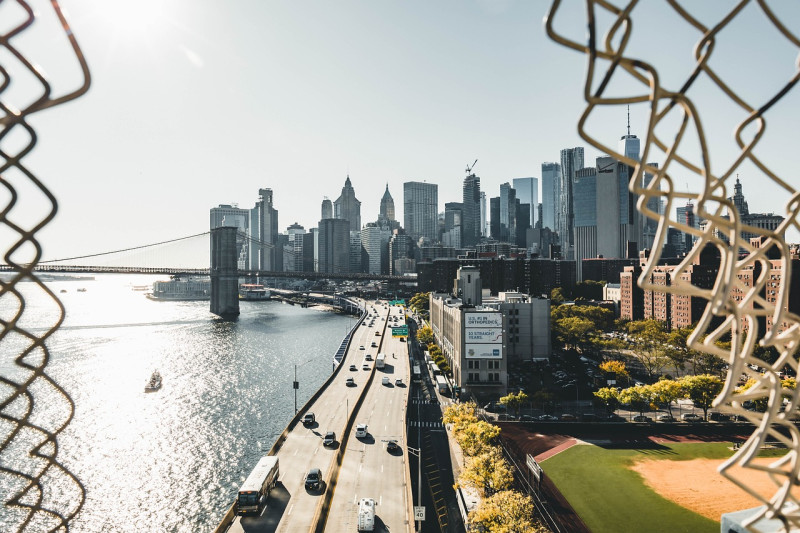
(291, 508)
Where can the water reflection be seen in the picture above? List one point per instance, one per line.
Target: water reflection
(172, 460)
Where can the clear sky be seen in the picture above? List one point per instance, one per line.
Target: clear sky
(196, 103)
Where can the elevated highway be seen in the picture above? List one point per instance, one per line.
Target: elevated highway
(352, 468)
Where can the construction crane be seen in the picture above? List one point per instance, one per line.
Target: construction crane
(470, 167)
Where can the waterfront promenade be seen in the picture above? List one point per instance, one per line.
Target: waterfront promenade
(352, 468)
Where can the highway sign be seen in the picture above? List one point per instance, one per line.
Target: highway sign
(419, 513)
(401, 331)
(397, 302)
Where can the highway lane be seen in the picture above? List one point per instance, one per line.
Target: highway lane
(303, 447)
(368, 469)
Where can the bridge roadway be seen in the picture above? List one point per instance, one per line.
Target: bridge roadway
(367, 469)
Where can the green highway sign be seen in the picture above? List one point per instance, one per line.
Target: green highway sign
(402, 331)
(397, 302)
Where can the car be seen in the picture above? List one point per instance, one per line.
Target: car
(365, 366)
(353, 367)
(361, 431)
(385, 380)
(374, 344)
(361, 347)
(402, 339)
(718, 417)
(642, 418)
(691, 417)
(329, 439)
(527, 418)
(377, 333)
(398, 382)
(665, 418)
(314, 479)
(391, 445)
(567, 417)
(308, 419)
(548, 418)
(350, 382)
(368, 357)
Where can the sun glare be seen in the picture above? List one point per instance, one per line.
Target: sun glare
(137, 21)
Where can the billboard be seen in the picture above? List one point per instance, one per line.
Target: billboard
(483, 320)
(484, 351)
(482, 335)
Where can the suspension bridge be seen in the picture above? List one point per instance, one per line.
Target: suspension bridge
(183, 253)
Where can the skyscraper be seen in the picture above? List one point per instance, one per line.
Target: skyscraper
(571, 162)
(327, 209)
(375, 241)
(528, 193)
(508, 213)
(484, 214)
(231, 215)
(420, 208)
(551, 178)
(471, 219)
(334, 245)
(347, 207)
(264, 231)
(387, 206)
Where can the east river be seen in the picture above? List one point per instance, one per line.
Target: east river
(171, 460)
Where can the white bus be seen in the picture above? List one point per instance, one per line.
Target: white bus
(441, 384)
(380, 361)
(255, 490)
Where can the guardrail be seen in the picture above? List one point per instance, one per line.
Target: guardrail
(230, 515)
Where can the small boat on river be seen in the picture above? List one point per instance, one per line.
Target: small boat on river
(154, 383)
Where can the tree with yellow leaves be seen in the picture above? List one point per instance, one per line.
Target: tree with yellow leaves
(475, 437)
(505, 512)
(488, 472)
(460, 414)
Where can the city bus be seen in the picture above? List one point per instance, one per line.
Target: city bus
(415, 373)
(380, 361)
(256, 488)
(441, 384)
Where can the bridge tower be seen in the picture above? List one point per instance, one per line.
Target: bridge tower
(224, 272)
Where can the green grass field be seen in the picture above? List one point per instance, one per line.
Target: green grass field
(611, 498)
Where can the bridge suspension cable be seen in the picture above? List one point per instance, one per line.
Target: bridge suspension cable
(125, 249)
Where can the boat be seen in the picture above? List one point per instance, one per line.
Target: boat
(154, 383)
(178, 288)
(252, 291)
(81, 290)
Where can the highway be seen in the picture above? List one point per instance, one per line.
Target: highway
(367, 469)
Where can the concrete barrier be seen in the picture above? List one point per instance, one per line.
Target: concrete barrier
(230, 515)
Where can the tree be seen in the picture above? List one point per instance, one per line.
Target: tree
(702, 390)
(505, 512)
(665, 392)
(425, 335)
(650, 338)
(638, 397)
(459, 414)
(514, 401)
(488, 472)
(475, 437)
(557, 296)
(617, 369)
(420, 302)
(609, 396)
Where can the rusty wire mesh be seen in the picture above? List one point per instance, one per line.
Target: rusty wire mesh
(29, 468)
(732, 306)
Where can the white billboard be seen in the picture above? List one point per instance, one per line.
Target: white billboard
(487, 336)
(484, 351)
(483, 320)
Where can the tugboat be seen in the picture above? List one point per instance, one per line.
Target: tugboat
(154, 383)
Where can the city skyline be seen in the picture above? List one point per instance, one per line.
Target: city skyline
(195, 104)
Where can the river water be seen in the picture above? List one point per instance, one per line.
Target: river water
(171, 460)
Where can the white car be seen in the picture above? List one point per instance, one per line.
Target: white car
(385, 380)
(361, 431)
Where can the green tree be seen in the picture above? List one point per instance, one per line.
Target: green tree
(665, 392)
(650, 339)
(557, 296)
(420, 302)
(488, 472)
(701, 389)
(507, 511)
(514, 400)
(425, 335)
(609, 396)
(639, 397)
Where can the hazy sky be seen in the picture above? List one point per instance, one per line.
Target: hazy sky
(195, 103)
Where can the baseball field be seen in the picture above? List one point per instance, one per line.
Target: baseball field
(652, 487)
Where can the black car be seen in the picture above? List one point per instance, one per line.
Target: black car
(314, 479)
(308, 419)
(391, 446)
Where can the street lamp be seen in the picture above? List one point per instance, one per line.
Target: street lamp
(296, 384)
